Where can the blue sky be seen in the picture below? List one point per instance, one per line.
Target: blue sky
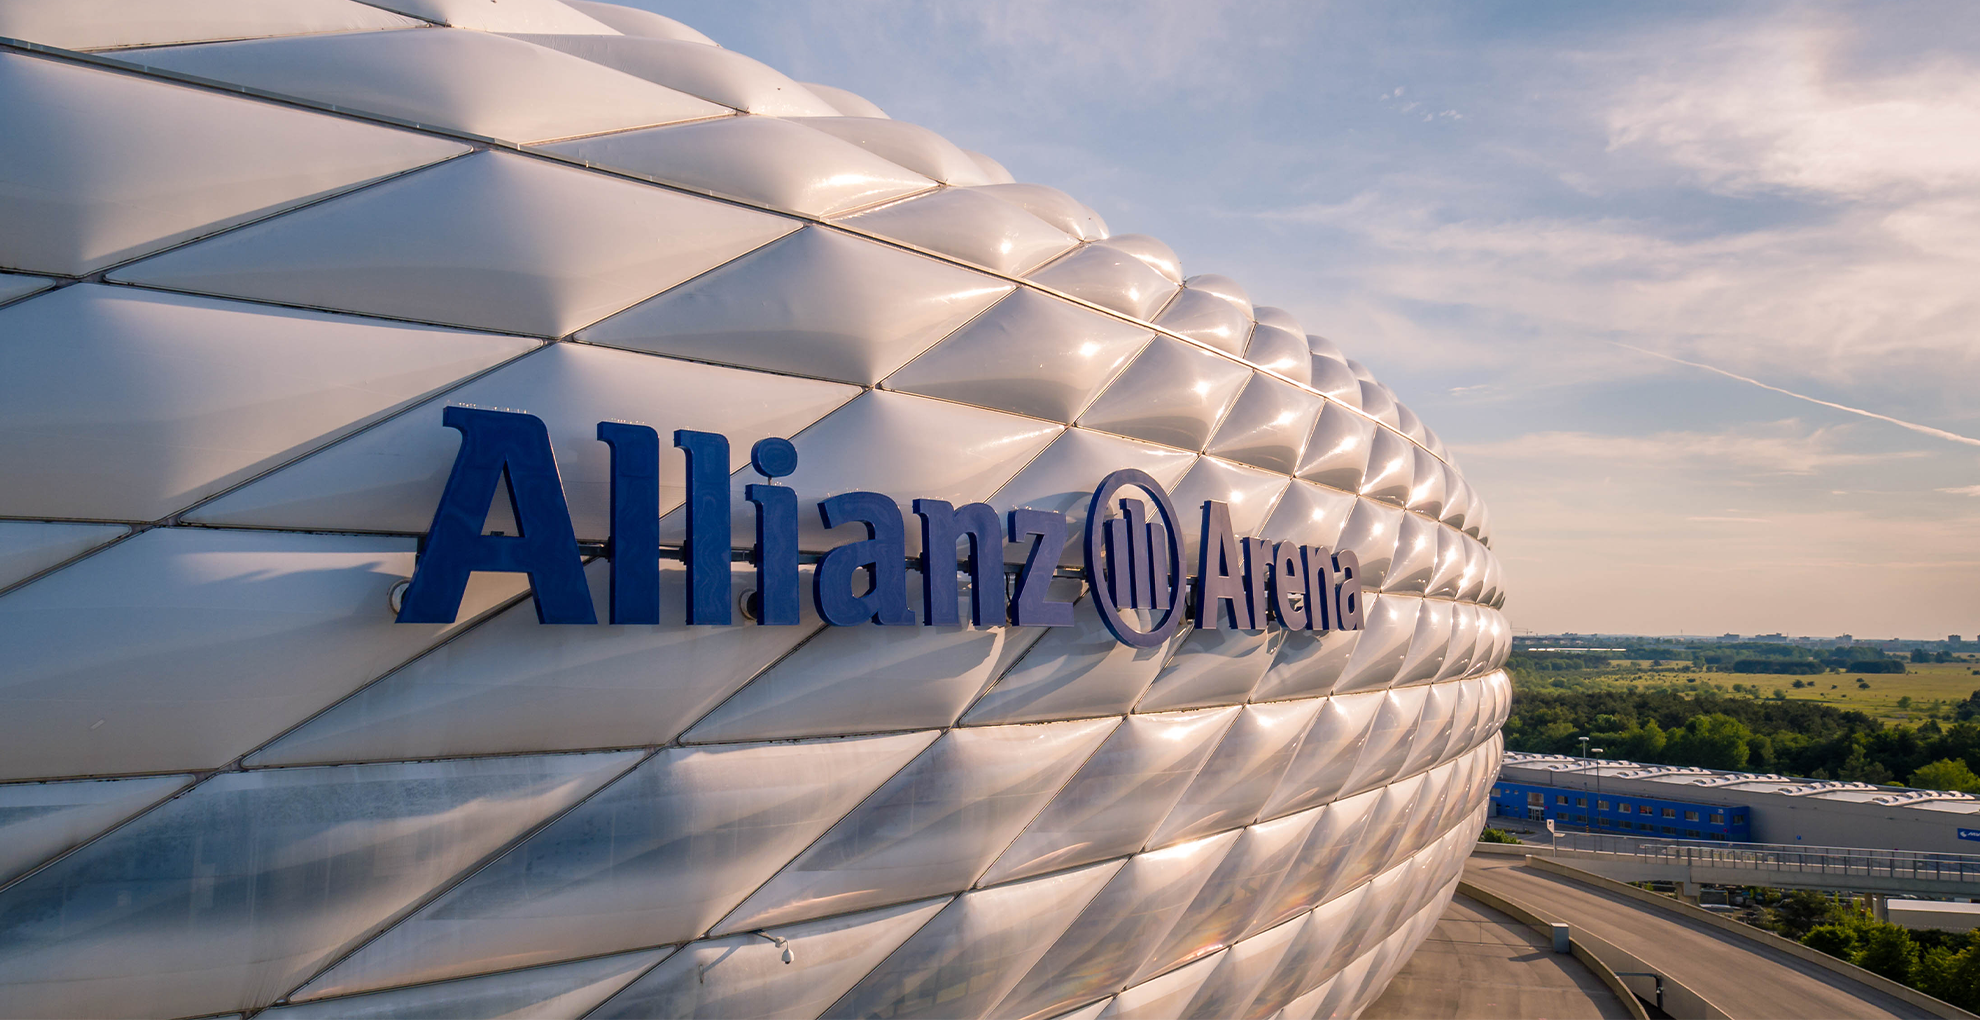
(1518, 215)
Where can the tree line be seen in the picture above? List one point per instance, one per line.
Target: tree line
(1709, 730)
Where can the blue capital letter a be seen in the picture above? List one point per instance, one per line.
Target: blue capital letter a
(492, 443)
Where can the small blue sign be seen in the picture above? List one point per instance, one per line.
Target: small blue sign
(1972, 834)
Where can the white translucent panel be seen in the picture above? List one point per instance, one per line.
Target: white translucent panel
(633, 21)
(1371, 532)
(1306, 1007)
(1377, 401)
(497, 241)
(849, 103)
(472, 82)
(1242, 971)
(962, 962)
(905, 446)
(1333, 378)
(933, 828)
(1430, 643)
(1206, 318)
(1410, 425)
(1426, 494)
(759, 159)
(1108, 277)
(228, 896)
(746, 976)
(1053, 206)
(1308, 663)
(1321, 867)
(1268, 426)
(1172, 394)
(19, 285)
(106, 24)
(30, 547)
(1213, 667)
(1339, 1001)
(1458, 497)
(1391, 468)
(1153, 251)
(1327, 754)
(1280, 350)
(1360, 371)
(513, 684)
(1449, 565)
(845, 309)
(1240, 887)
(655, 858)
(1387, 749)
(1164, 997)
(1113, 803)
(1087, 1012)
(509, 16)
(170, 399)
(1415, 556)
(1249, 493)
(1337, 452)
(912, 146)
(1279, 318)
(389, 478)
(40, 820)
(185, 648)
(1389, 624)
(1421, 827)
(1241, 773)
(1081, 670)
(1310, 515)
(1494, 590)
(696, 69)
(1109, 940)
(966, 224)
(103, 167)
(1062, 478)
(564, 991)
(1471, 580)
(1031, 353)
(993, 171)
(1223, 287)
(861, 680)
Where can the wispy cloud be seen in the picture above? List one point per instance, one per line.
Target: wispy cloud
(1899, 422)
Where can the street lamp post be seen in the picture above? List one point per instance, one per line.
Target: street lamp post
(1597, 752)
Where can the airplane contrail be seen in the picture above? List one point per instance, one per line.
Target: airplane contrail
(1899, 422)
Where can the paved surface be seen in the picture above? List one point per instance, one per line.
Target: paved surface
(1480, 963)
(1741, 976)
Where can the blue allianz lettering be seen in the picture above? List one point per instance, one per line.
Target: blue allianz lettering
(1134, 571)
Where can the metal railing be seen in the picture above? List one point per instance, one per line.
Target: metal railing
(1801, 861)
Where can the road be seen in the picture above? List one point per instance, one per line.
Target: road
(1480, 963)
(1746, 979)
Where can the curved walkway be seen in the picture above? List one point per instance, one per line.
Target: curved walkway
(1747, 980)
(1480, 963)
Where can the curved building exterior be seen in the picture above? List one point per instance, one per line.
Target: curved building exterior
(350, 353)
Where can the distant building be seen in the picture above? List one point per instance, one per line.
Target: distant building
(1759, 808)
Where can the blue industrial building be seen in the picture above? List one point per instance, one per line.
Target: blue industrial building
(1620, 814)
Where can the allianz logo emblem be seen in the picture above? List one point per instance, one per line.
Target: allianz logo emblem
(1134, 562)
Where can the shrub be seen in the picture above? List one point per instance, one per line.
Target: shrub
(1889, 951)
(1497, 836)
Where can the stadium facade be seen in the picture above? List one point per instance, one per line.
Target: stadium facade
(480, 487)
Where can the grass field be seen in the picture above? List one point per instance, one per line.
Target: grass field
(1924, 683)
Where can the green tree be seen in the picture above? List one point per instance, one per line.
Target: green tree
(1837, 940)
(1714, 741)
(1803, 910)
(1888, 950)
(1953, 974)
(1946, 774)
